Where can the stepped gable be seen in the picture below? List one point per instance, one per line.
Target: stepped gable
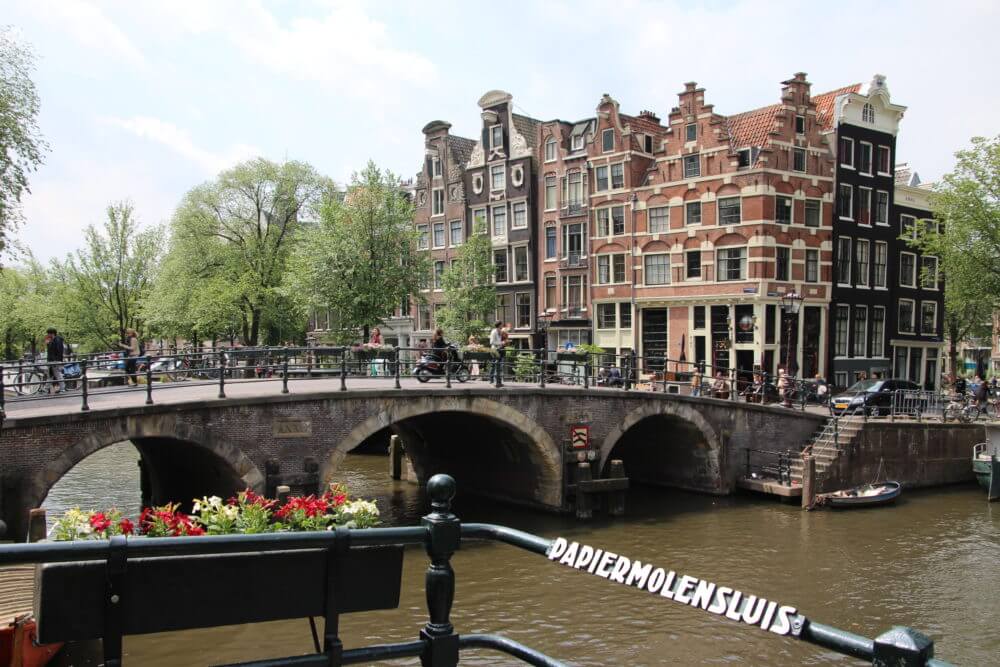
(824, 104)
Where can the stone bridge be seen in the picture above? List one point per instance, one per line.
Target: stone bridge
(512, 443)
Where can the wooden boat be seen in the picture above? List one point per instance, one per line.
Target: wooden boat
(867, 495)
(986, 467)
(17, 626)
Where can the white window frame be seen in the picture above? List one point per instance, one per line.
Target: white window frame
(493, 259)
(791, 209)
(517, 314)
(913, 283)
(854, 331)
(577, 141)
(451, 233)
(527, 264)
(598, 307)
(819, 212)
(610, 257)
(840, 158)
(788, 264)
(718, 210)
(646, 272)
(597, 177)
(423, 237)
(687, 132)
(868, 113)
(695, 159)
(862, 192)
(937, 272)
(495, 144)
(913, 316)
(884, 273)
(485, 220)
(805, 275)
(436, 167)
(611, 175)
(913, 226)
(503, 178)
(493, 217)
(553, 182)
(555, 235)
(438, 281)
(665, 228)
(805, 160)
(550, 149)
(799, 117)
(687, 214)
(444, 235)
(878, 195)
(862, 273)
(888, 151)
(513, 214)
(850, 261)
(605, 133)
(877, 343)
(551, 305)
(434, 199)
(934, 329)
(837, 351)
(743, 263)
(871, 158)
(687, 267)
(850, 204)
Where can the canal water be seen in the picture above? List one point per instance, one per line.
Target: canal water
(930, 562)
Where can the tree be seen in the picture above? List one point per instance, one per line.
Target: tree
(231, 240)
(21, 143)
(967, 242)
(26, 308)
(98, 290)
(470, 298)
(360, 260)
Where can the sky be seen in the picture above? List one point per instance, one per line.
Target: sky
(145, 100)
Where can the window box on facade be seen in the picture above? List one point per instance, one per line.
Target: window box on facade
(522, 310)
(550, 193)
(423, 239)
(865, 159)
(907, 269)
(498, 178)
(439, 241)
(798, 159)
(929, 272)
(606, 313)
(457, 232)
(479, 225)
(882, 161)
(618, 176)
(519, 213)
(657, 269)
(928, 318)
(692, 166)
(729, 211)
(782, 263)
(844, 261)
(845, 202)
(550, 242)
(692, 213)
(438, 275)
(731, 264)
(878, 332)
(864, 206)
(659, 220)
(521, 273)
(607, 141)
(800, 124)
(812, 266)
(550, 150)
(691, 132)
(861, 262)
(860, 331)
(610, 269)
(905, 319)
(437, 201)
(693, 261)
(846, 152)
(882, 208)
(500, 265)
(841, 322)
(601, 174)
(500, 220)
(783, 210)
(814, 212)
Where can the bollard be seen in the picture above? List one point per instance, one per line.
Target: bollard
(343, 371)
(283, 491)
(149, 382)
(583, 504)
(36, 525)
(222, 374)
(84, 385)
(542, 370)
(808, 482)
(395, 371)
(395, 457)
(443, 527)
(284, 375)
(902, 647)
(616, 499)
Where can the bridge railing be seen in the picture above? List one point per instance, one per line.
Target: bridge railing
(767, 465)
(111, 581)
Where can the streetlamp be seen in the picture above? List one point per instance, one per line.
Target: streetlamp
(790, 304)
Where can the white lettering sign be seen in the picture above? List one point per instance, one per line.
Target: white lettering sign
(685, 589)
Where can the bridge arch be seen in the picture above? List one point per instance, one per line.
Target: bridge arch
(667, 442)
(488, 446)
(179, 460)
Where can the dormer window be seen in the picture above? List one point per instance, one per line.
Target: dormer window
(607, 141)
(800, 125)
(648, 143)
(496, 136)
(868, 113)
(435, 167)
(744, 158)
(550, 150)
(578, 142)
(690, 132)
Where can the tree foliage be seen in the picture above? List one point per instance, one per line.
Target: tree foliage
(21, 142)
(360, 259)
(470, 298)
(26, 308)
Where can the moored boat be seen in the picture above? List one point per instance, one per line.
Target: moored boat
(867, 495)
(986, 467)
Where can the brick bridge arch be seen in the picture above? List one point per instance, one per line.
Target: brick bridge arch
(543, 453)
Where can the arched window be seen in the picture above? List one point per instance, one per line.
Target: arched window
(550, 150)
(868, 113)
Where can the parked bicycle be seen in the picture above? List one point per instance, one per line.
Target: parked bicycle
(962, 408)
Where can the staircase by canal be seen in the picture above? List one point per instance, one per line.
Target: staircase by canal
(836, 434)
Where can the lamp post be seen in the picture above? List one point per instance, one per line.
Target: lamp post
(790, 304)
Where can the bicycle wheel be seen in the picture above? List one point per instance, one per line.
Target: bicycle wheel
(29, 383)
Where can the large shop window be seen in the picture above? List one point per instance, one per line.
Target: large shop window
(654, 338)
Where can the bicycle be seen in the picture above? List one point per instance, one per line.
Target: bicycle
(961, 408)
(26, 379)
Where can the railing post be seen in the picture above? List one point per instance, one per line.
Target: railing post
(284, 374)
(222, 374)
(586, 372)
(542, 363)
(396, 368)
(3, 398)
(447, 369)
(149, 382)
(20, 370)
(343, 370)
(84, 385)
(501, 353)
(627, 363)
(444, 535)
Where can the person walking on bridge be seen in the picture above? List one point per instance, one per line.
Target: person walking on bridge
(131, 346)
(55, 350)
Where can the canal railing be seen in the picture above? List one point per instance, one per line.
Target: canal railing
(767, 465)
(123, 586)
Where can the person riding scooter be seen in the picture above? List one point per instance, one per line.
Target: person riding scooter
(436, 361)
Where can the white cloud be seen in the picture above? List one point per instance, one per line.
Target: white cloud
(88, 25)
(179, 141)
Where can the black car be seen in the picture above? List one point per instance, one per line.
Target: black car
(875, 395)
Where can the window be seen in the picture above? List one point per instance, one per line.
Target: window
(438, 275)
(881, 208)
(457, 232)
(439, 235)
(800, 124)
(690, 132)
(437, 202)
(550, 193)
(860, 331)
(743, 158)
(503, 307)
(550, 150)
(814, 208)
(522, 308)
(865, 159)
(798, 159)
(881, 255)
(499, 221)
(693, 259)
(602, 178)
(929, 272)
(782, 261)
(692, 213)
(882, 160)
(521, 264)
(550, 242)
(423, 242)
(550, 292)
(659, 220)
(908, 226)
(573, 287)
(519, 211)
(607, 141)
(864, 206)
(840, 330)
(861, 262)
(618, 176)
(606, 315)
(878, 331)
(625, 315)
(496, 136)
(847, 152)
(698, 319)
(845, 202)
(928, 317)
(729, 211)
(812, 266)
(424, 318)
(435, 166)
(610, 269)
(577, 142)
(731, 264)
(692, 166)
(611, 221)
(479, 221)
(907, 269)
(783, 210)
(498, 179)
(657, 269)
(573, 242)
(500, 265)
(648, 143)
(574, 189)
(905, 316)
(843, 261)
(868, 113)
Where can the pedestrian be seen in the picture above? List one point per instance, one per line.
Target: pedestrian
(55, 350)
(496, 344)
(132, 352)
(822, 390)
(374, 344)
(696, 381)
(960, 386)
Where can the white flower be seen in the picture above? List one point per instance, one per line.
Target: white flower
(360, 507)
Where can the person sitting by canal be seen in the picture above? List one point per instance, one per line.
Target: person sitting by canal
(131, 347)
(55, 349)
(720, 388)
(754, 392)
(782, 384)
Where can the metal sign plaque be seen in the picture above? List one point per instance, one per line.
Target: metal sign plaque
(579, 437)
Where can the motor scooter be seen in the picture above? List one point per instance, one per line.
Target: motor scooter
(430, 365)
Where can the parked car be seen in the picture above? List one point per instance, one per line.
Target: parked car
(875, 395)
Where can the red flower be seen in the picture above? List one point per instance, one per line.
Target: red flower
(99, 522)
(126, 526)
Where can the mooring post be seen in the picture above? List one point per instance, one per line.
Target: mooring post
(808, 481)
(395, 457)
(583, 500)
(616, 499)
(902, 647)
(444, 535)
(447, 369)
(36, 524)
(149, 382)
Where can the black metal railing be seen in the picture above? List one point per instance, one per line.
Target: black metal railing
(762, 464)
(439, 644)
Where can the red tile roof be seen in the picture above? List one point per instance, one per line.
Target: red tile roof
(751, 128)
(824, 104)
(642, 124)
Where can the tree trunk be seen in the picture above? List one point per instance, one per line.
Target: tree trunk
(254, 326)
(365, 334)
(953, 348)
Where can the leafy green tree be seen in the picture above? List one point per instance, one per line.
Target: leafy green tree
(230, 242)
(967, 204)
(360, 260)
(470, 298)
(99, 288)
(26, 308)
(21, 143)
